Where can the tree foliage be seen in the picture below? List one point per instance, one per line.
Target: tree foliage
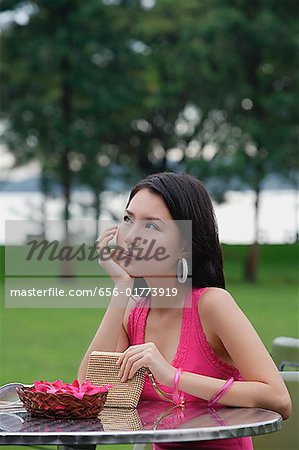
(207, 86)
(71, 83)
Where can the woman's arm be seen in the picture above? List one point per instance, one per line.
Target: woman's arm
(110, 336)
(263, 386)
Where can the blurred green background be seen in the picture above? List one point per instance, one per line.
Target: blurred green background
(99, 94)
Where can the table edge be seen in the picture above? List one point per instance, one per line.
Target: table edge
(141, 436)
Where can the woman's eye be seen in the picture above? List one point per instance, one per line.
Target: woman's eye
(126, 217)
(154, 225)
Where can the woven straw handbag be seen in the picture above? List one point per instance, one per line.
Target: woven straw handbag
(102, 369)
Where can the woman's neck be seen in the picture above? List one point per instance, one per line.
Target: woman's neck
(169, 294)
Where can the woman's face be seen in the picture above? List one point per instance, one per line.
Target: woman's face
(150, 233)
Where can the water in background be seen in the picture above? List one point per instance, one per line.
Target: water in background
(278, 217)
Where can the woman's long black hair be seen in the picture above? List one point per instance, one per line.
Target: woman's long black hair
(188, 200)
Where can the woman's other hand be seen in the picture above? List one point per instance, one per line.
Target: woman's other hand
(145, 355)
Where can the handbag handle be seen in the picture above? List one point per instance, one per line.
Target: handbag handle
(162, 394)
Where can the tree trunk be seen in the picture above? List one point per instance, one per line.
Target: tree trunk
(44, 188)
(66, 183)
(66, 106)
(97, 206)
(252, 259)
(163, 166)
(67, 266)
(296, 217)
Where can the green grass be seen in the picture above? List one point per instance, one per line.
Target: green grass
(50, 343)
(271, 304)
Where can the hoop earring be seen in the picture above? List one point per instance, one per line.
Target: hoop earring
(182, 275)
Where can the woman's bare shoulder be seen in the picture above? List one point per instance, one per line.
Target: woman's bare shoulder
(215, 299)
(221, 312)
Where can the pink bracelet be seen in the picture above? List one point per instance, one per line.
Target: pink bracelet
(216, 397)
(177, 396)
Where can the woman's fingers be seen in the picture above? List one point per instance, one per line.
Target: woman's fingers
(105, 237)
(131, 354)
(130, 366)
(107, 259)
(135, 366)
(108, 231)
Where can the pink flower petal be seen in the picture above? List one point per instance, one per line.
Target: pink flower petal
(41, 387)
(79, 395)
(58, 384)
(75, 388)
(75, 383)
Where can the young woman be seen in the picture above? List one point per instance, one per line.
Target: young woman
(188, 320)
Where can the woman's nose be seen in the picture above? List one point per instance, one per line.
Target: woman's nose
(133, 239)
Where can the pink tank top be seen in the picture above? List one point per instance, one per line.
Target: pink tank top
(193, 354)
